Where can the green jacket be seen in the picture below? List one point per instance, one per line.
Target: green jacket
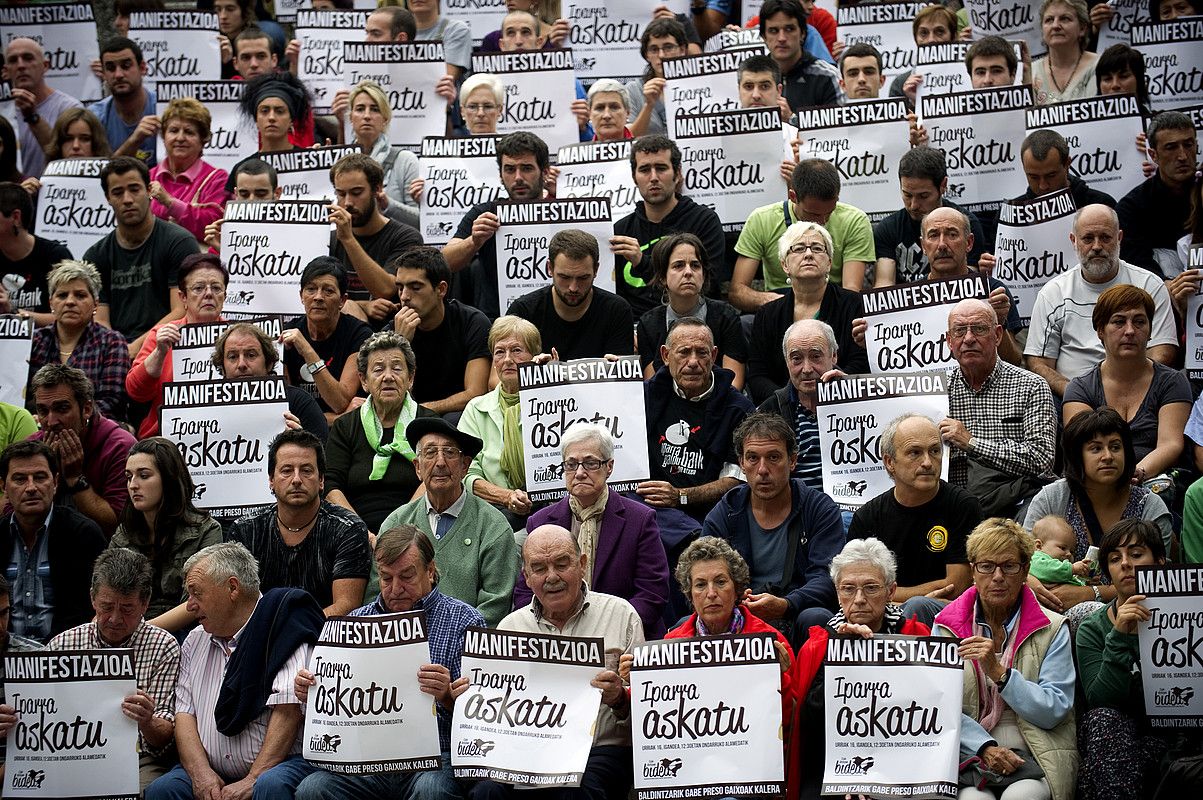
(167, 591)
(1106, 659)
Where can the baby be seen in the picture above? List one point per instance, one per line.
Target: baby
(1053, 560)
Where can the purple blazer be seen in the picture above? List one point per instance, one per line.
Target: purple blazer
(631, 562)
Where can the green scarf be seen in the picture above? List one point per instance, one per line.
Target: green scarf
(511, 440)
(399, 445)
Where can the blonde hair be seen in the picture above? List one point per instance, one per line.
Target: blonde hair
(374, 91)
(997, 535)
(188, 109)
(521, 329)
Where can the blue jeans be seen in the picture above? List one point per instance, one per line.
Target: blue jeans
(436, 784)
(278, 783)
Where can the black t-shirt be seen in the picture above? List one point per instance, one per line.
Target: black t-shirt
(382, 247)
(444, 352)
(680, 440)
(924, 539)
(348, 335)
(25, 279)
(722, 319)
(897, 237)
(481, 279)
(137, 284)
(606, 327)
(306, 409)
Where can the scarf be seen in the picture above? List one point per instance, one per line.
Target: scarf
(989, 698)
(590, 519)
(399, 445)
(737, 624)
(512, 466)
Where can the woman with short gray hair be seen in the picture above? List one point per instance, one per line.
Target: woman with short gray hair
(609, 107)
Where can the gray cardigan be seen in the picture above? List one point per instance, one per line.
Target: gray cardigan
(1054, 499)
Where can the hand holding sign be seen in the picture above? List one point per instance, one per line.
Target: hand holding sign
(1130, 613)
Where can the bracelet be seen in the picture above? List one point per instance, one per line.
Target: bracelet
(315, 368)
(1098, 596)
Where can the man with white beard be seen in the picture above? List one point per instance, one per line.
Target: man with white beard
(1063, 343)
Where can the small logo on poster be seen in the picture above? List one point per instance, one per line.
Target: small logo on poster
(857, 765)
(476, 747)
(240, 298)
(199, 491)
(1175, 696)
(663, 768)
(29, 779)
(325, 742)
(850, 489)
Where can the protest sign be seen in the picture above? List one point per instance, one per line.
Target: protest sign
(908, 324)
(599, 169)
(190, 356)
(943, 67)
(980, 133)
(67, 33)
(178, 45)
(528, 714)
(1118, 29)
(893, 716)
(540, 86)
(8, 110)
(305, 174)
(1101, 133)
(706, 718)
(320, 66)
(459, 173)
(1171, 664)
(704, 83)
(483, 16)
(223, 430)
(265, 247)
(605, 35)
(728, 39)
(1196, 116)
(1010, 19)
(1032, 246)
(367, 713)
(525, 232)
(71, 738)
(1194, 320)
(231, 138)
(888, 27)
(730, 160)
(852, 413)
(1173, 61)
(408, 73)
(557, 395)
(16, 342)
(72, 207)
(864, 141)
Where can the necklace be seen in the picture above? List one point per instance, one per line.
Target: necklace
(1052, 72)
(291, 529)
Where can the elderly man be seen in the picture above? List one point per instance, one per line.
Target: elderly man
(303, 541)
(1063, 343)
(923, 520)
(620, 536)
(1001, 429)
(555, 569)
(237, 718)
(121, 585)
(25, 66)
(409, 578)
(785, 530)
(473, 540)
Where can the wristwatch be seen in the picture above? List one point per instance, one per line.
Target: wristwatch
(33, 119)
(683, 498)
(79, 486)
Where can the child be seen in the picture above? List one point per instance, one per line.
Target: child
(1055, 542)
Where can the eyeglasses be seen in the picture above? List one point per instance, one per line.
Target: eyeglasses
(803, 247)
(590, 465)
(665, 50)
(871, 590)
(199, 289)
(432, 453)
(481, 108)
(979, 330)
(988, 567)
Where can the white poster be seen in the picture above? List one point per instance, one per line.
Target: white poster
(865, 142)
(1194, 321)
(525, 232)
(322, 34)
(408, 73)
(599, 169)
(703, 84)
(67, 33)
(190, 357)
(888, 27)
(232, 138)
(706, 718)
(908, 323)
(483, 16)
(8, 110)
(265, 247)
(1032, 246)
(72, 208)
(980, 133)
(528, 715)
(1171, 644)
(1196, 116)
(16, 342)
(540, 86)
(728, 39)
(223, 430)
(459, 173)
(71, 738)
(1173, 61)
(944, 70)
(893, 716)
(1101, 133)
(177, 45)
(1118, 29)
(367, 713)
(305, 174)
(1010, 19)
(557, 395)
(852, 413)
(605, 35)
(731, 161)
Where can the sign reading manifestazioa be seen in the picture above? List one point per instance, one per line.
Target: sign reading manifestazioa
(908, 324)
(599, 169)
(265, 247)
(16, 342)
(322, 34)
(886, 26)
(606, 34)
(1171, 666)
(703, 84)
(540, 86)
(180, 45)
(557, 395)
(408, 72)
(1101, 133)
(1194, 320)
(231, 138)
(943, 67)
(67, 33)
(1173, 61)
(191, 356)
(458, 173)
(305, 174)
(72, 207)
(1032, 246)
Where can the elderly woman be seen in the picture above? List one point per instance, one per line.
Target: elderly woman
(482, 99)
(864, 574)
(805, 251)
(184, 188)
(1019, 674)
(77, 340)
(371, 114)
(609, 107)
(662, 38)
(620, 536)
(680, 270)
(201, 283)
(1154, 399)
(369, 464)
(1067, 71)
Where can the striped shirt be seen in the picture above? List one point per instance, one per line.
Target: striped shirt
(809, 466)
(203, 661)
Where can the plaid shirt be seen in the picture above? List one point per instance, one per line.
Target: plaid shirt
(446, 620)
(1010, 420)
(101, 354)
(156, 664)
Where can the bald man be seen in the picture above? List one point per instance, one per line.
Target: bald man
(38, 105)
